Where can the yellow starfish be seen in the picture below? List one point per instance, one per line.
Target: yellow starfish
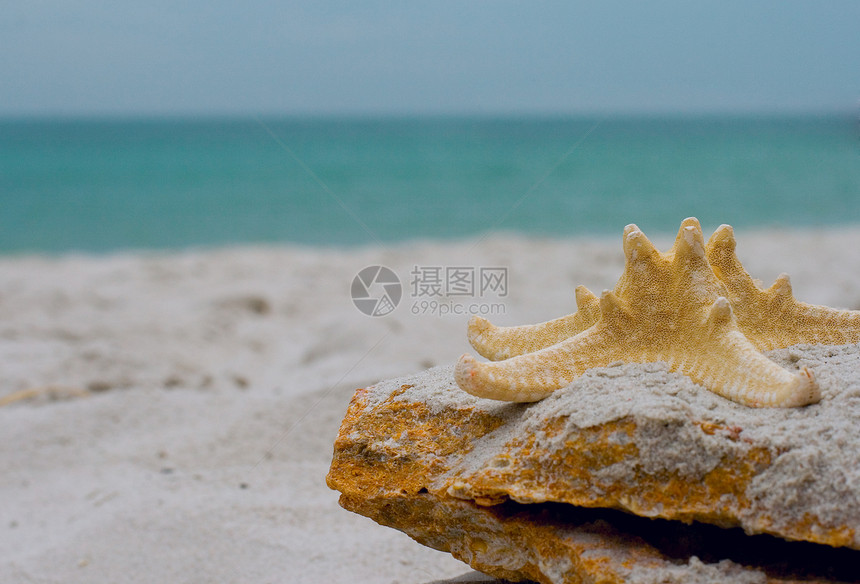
(665, 307)
(770, 319)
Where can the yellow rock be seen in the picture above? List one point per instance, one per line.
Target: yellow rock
(500, 485)
(559, 545)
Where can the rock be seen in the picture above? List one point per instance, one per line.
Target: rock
(555, 544)
(470, 578)
(533, 490)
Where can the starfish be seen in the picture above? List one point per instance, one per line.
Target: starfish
(770, 319)
(665, 307)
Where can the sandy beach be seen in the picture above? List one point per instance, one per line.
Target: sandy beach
(169, 417)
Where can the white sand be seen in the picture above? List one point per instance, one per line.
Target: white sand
(186, 404)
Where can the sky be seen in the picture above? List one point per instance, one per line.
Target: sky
(326, 57)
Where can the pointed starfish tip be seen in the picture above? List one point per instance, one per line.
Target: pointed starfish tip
(805, 391)
(464, 371)
(478, 322)
(584, 296)
(689, 245)
(691, 222)
(720, 312)
(638, 247)
(610, 305)
(724, 237)
(782, 285)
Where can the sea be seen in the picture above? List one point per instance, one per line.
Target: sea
(103, 185)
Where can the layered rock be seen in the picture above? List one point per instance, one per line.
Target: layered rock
(505, 486)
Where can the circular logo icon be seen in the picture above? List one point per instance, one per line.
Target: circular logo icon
(376, 290)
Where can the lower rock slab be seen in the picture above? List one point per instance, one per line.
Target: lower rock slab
(560, 544)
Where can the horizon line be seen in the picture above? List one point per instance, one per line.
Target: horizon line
(430, 115)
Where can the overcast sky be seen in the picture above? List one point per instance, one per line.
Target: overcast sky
(91, 57)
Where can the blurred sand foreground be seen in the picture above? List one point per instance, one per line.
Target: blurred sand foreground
(170, 417)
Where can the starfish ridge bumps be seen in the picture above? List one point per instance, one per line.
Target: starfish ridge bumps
(668, 307)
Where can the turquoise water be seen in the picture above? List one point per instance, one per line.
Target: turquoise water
(106, 185)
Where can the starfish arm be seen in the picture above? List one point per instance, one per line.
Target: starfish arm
(534, 376)
(773, 318)
(497, 343)
(822, 325)
(726, 363)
